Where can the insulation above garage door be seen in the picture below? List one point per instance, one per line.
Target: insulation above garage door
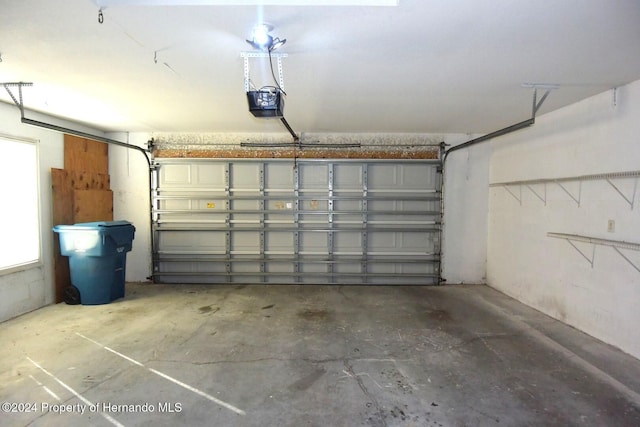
(303, 221)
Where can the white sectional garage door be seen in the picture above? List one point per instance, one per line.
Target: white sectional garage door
(304, 221)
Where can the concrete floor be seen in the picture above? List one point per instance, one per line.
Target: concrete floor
(309, 356)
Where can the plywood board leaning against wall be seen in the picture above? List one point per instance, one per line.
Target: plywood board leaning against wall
(85, 155)
(80, 193)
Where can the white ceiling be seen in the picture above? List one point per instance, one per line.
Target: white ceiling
(423, 66)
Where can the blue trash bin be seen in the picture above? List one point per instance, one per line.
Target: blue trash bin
(97, 254)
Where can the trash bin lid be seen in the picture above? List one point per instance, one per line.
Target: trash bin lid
(102, 224)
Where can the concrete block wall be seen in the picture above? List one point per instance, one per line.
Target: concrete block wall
(598, 135)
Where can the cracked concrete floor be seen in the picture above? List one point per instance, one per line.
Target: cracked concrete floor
(268, 355)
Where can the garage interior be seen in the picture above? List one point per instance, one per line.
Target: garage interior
(429, 218)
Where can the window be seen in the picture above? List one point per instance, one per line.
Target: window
(19, 211)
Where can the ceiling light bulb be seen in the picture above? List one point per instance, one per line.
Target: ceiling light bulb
(262, 40)
(261, 35)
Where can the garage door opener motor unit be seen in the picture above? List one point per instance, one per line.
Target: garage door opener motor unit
(266, 102)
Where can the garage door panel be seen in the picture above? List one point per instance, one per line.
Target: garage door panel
(175, 175)
(278, 176)
(415, 268)
(314, 177)
(281, 267)
(278, 242)
(348, 205)
(416, 206)
(417, 242)
(312, 220)
(348, 269)
(191, 241)
(374, 206)
(318, 204)
(316, 221)
(383, 176)
(400, 242)
(382, 242)
(401, 177)
(418, 177)
(245, 242)
(245, 176)
(210, 175)
(348, 242)
(207, 267)
(244, 205)
(280, 272)
(242, 213)
(280, 204)
(311, 268)
(348, 220)
(238, 268)
(175, 204)
(348, 176)
(312, 243)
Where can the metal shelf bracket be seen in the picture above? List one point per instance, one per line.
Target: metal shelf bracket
(617, 245)
(591, 259)
(631, 200)
(608, 177)
(574, 198)
(518, 196)
(543, 196)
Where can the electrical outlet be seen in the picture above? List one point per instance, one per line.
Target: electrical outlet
(611, 226)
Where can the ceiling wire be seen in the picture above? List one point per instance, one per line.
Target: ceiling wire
(126, 33)
(171, 68)
(166, 64)
(273, 74)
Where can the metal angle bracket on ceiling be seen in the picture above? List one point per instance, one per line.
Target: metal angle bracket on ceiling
(19, 85)
(537, 103)
(277, 56)
(548, 87)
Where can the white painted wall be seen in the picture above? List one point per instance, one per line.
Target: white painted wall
(466, 186)
(32, 288)
(590, 137)
(129, 172)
